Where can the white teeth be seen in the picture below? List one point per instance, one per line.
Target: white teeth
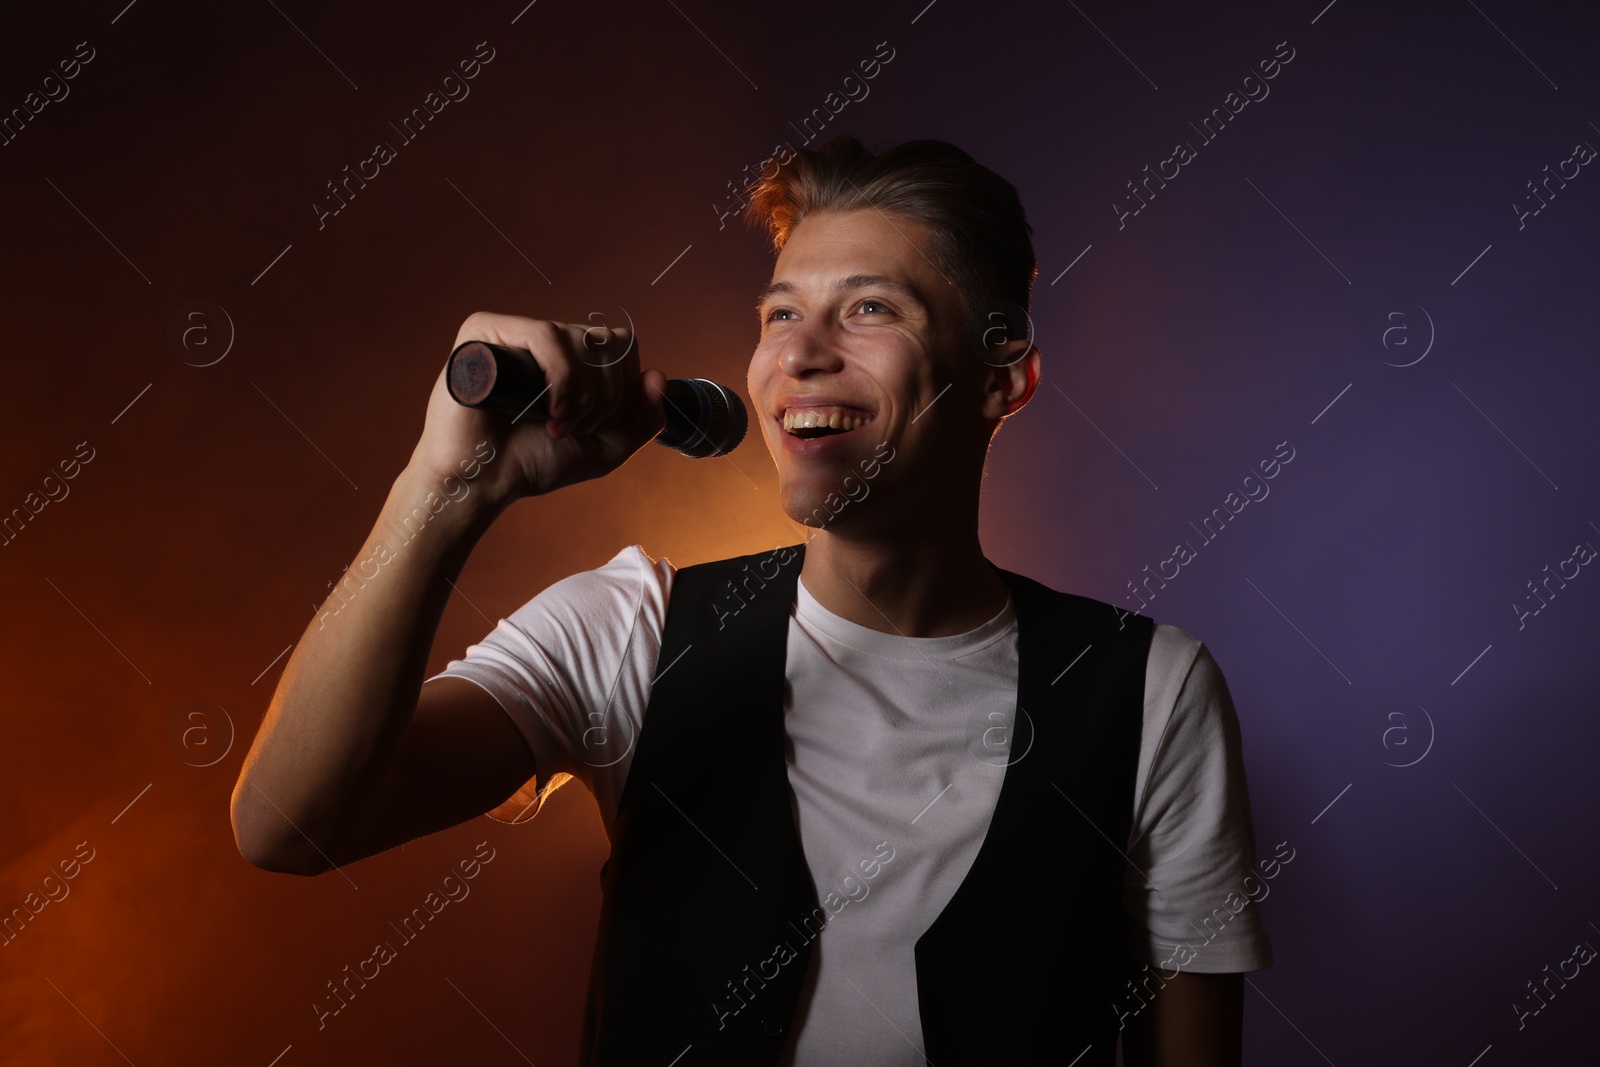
(813, 418)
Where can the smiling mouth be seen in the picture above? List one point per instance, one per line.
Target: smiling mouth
(807, 423)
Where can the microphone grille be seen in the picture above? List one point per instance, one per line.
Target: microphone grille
(711, 418)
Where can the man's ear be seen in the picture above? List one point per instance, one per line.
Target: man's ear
(1013, 384)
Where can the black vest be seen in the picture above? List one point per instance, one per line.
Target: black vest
(709, 908)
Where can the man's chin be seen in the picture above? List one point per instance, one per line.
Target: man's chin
(822, 510)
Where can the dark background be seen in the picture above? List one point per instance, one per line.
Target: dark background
(1363, 613)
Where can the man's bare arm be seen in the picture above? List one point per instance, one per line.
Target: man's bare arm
(355, 755)
(1195, 1020)
(337, 725)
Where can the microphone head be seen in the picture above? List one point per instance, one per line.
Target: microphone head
(703, 418)
(471, 373)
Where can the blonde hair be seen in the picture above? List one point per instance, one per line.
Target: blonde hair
(982, 241)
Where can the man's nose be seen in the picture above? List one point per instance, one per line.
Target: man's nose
(810, 346)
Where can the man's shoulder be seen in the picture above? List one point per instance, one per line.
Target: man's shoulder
(1176, 660)
(633, 577)
(1116, 618)
(1182, 675)
(1175, 642)
(767, 561)
(629, 564)
(626, 584)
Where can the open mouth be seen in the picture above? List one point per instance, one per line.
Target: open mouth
(808, 423)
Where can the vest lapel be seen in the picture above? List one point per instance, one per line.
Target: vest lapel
(707, 893)
(1027, 955)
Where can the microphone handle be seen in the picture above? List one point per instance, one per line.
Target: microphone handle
(702, 418)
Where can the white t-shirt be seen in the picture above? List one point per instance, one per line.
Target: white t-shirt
(897, 749)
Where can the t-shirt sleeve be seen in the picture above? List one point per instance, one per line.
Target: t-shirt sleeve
(572, 669)
(1189, 905)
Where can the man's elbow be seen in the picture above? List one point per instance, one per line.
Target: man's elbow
(261, 840)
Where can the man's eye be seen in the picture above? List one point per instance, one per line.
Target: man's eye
(874, 303)
(775, 312)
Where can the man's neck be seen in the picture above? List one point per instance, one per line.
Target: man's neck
(916, 586)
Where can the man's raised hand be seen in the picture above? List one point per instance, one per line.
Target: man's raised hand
(602, 410)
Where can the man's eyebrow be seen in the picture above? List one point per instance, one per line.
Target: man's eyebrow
(847, 283)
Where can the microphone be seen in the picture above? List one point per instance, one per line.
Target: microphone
(703, 418)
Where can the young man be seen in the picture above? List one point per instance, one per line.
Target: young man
(871, 799)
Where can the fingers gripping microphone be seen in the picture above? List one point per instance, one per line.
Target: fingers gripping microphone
(703, 418)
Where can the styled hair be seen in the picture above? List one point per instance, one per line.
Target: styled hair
(981, 239)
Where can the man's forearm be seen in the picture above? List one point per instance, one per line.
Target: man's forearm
(1194, 1020)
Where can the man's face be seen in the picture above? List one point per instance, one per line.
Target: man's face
(861, 334)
